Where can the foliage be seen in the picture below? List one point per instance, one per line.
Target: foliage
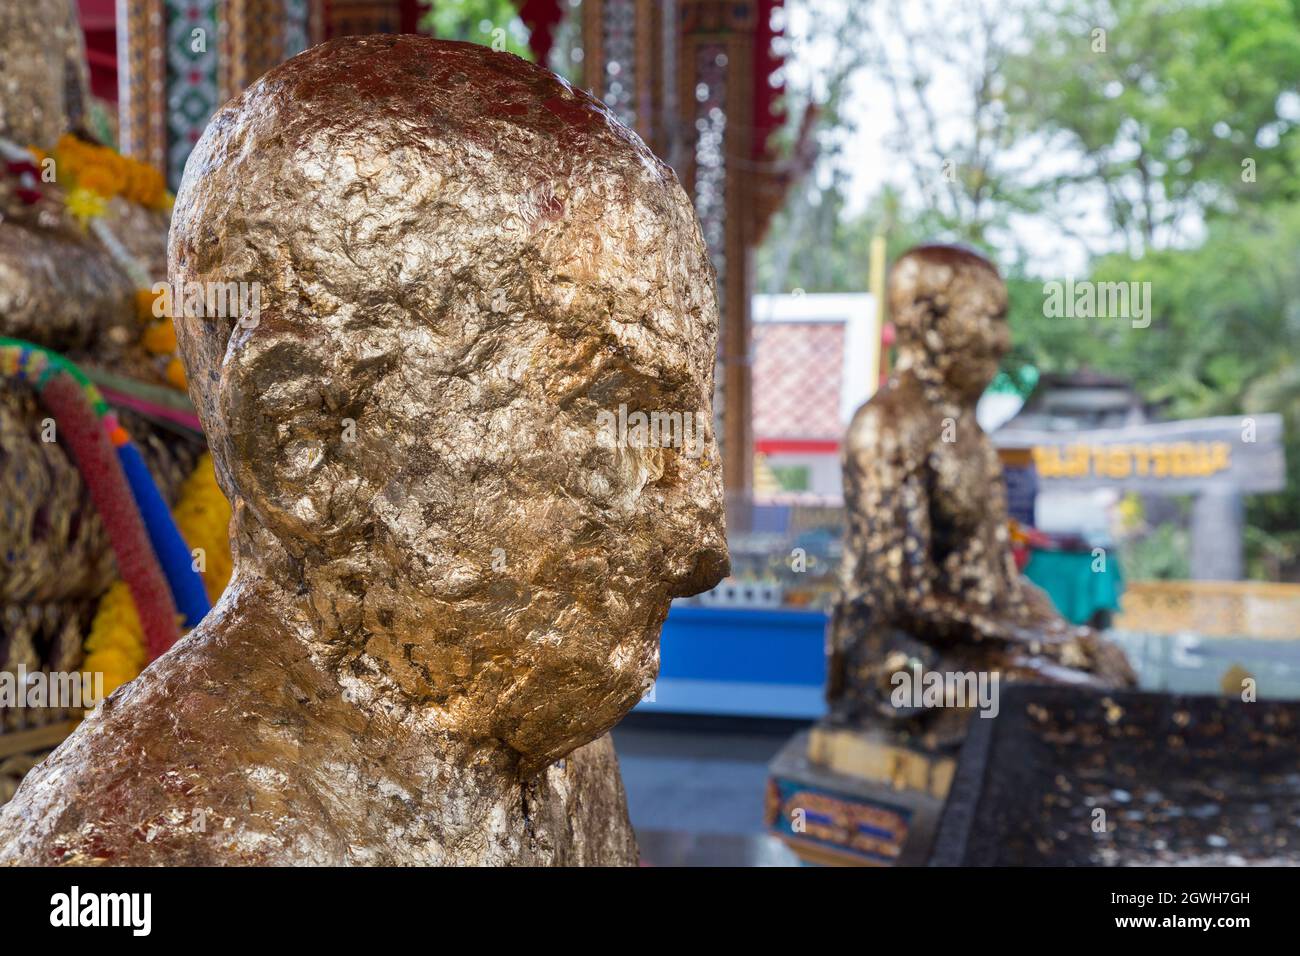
(1169, 111)
(493, 23)
(953, 134)
(1223, 340)
(813, 243)
(1168, 145)
(1159, 555)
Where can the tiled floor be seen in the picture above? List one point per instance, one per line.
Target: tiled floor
(695, 790)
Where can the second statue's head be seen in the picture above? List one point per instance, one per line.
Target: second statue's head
(466, 288)
(949, 306)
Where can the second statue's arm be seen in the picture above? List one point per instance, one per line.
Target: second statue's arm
(895, 566)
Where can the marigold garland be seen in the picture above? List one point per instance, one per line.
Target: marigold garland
(95, 174)
(203, 515)
(160, 337)
(115, 645)
(105, 173)
(85, 204)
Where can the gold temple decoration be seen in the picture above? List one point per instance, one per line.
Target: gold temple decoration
(142, 81)
(1248, 609)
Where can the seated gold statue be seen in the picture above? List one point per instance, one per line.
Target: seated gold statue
(929, 580)
(449, 577)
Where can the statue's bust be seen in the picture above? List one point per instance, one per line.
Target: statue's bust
(448, 573)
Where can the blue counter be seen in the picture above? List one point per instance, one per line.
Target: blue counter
(754, 663)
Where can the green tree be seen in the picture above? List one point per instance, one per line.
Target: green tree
(1223, 340)
(943, 66)
(1168, 111)
(493, 23)
(813, 243)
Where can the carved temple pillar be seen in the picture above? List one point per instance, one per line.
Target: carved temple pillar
(629, 61)
(357, 17)
(259, 34)
(178, 60)
(716, 71)
(684, 74)
(142, 78)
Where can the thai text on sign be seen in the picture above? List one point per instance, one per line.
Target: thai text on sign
(1138, 459)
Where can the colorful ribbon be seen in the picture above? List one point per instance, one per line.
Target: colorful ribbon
(152, 557)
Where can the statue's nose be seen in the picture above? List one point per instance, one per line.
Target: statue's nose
(712, 564)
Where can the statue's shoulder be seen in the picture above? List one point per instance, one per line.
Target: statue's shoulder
(184, 765)
(109, 791)
(894, 420)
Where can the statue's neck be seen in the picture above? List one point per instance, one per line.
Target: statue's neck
(354, 626)
(366, 653)
(457, 798)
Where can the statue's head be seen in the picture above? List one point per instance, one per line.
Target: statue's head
(465, 270)
(949, 306)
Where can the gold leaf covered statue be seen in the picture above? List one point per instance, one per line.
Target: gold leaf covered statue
(449, 578)
(930, 584)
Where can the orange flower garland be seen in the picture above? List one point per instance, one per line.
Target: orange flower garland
(93, 175)
(106, 173)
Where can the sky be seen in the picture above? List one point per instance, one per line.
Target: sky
(868, 158)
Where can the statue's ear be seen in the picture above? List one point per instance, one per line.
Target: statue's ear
(289, 440)
(263, 424)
